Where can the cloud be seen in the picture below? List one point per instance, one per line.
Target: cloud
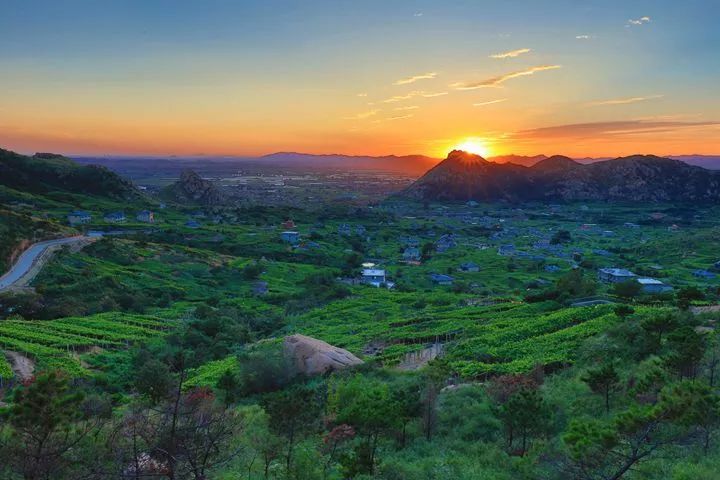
(497, 81)
(363, 94)
(415, 78)
(598, 130)
(623, 101)
(582, 37)
(409, 107)
(413, 94)
(418, 14)
(363, 115)
(390, 119)
(511, 53)
(489, 102)
(638, 21)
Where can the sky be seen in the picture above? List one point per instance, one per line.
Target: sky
(222, 77)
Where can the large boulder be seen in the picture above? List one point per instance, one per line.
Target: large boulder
(312, 356)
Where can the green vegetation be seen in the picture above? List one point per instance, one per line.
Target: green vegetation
(156, 352)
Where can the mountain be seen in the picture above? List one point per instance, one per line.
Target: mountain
(463, 176)
(45, 173)
(711, 162)
(410, 164)
(192, 189)
(523, 160)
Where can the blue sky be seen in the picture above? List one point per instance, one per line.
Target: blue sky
(244, 77)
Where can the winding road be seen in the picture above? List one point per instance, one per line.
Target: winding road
(31, 260)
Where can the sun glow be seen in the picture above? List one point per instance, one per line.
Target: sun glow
(476, 146)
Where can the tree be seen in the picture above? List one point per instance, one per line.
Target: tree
(603, 381)
(561, 236)
(687, 348)
(292, 411)
(368, 407)
(609, 449)
(660, 325)
(45, 426)
(426, 251)
(623, 311)
(229, 384)
(627, 289)
(154, 380)
(524, 416)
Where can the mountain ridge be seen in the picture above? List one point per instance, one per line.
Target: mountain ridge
(464, 176)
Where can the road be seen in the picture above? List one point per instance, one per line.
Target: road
(32, 258)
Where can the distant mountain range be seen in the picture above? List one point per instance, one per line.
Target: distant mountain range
(463, 176)
(412, 165)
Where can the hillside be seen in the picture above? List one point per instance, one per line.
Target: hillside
(463, 176)
(44, 173)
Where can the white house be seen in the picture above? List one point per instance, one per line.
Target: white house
(615, 275)
(374, 276)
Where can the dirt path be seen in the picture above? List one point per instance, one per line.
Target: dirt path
(21, 365)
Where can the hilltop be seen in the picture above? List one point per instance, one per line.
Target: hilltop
(191, 188)
(44, 173)
(464, 176)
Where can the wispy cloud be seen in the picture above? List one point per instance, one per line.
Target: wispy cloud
(418, 14)
(363, 115)
(597, 130)
(413, 94)
(511, 53)
(391, 119)
(489, 102)
(638, 21)
(497, 81)
(415, 78)
(583, 37)
(409, 107)
(362, 94)
(623, 101)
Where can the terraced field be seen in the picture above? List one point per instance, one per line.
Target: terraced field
(58, 343)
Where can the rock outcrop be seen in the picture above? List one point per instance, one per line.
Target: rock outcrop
(192, 189)
(311, 356)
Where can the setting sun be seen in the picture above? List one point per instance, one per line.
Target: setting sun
(476, 146)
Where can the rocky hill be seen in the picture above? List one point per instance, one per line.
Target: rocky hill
(192, 189)
(45, 173)
(646, 178)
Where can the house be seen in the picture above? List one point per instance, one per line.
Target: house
(653, 285)
(469, 267)
(260, 288)
(552, 268)
(601, 252)
(445, 243)
(717, 265)
(615, 275)
(703, 274)
(441, 279)
(374, 276)
(145, 216)
(506, 250)
(631, 225)
(472, 203)
(78, 217)
(192, 224)
(288, 224)
(290, 236)
(411, 254)
(673, 228)
(115, 217)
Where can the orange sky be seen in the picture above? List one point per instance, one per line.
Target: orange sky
(596, 80)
